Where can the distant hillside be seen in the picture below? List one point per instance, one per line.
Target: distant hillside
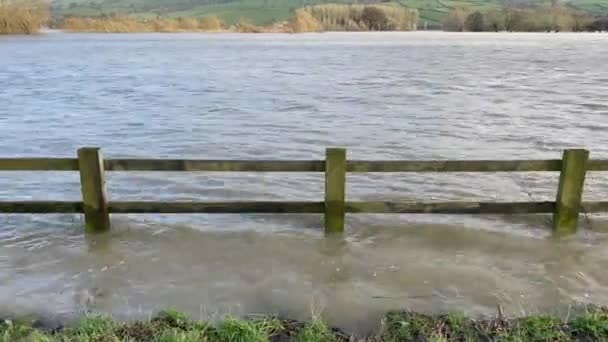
(263, 12)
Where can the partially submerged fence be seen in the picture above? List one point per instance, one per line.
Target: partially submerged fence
(97, 209)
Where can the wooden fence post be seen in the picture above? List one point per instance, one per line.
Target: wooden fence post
(570, 191)
(92, 183)
(335, 184)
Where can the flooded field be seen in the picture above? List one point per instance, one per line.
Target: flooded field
(229, 96)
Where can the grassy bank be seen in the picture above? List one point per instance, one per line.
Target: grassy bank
(22, 16)
(171, 326)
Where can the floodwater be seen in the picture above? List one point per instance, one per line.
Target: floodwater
(230, 96)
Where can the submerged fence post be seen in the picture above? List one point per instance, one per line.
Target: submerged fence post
(335, 184)
(92, 183)
(570, 191)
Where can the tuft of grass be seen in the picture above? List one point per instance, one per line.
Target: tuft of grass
(173, 319)
(315, 331)
(539, 329)
(176, 335)
(138, 331)
(459, 328)
(590, 326)
(93, 328)
(407, 326)
(234, 330)
(10, 332)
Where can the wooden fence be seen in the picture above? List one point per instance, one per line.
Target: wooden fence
(96, 207)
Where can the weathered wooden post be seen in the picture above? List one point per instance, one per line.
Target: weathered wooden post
(335, 184)
(92, 183)
(570, 191)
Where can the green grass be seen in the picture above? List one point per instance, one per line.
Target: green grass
(593, 325)
(315, 331)
(172, 326)
(264, 12)
(406, 326)
(235, 330)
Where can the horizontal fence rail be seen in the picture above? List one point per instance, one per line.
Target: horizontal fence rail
(96, 207)
(176, 165)
(261, 207)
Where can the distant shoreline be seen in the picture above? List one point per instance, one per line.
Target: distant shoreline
(64, 31)
(328, 17)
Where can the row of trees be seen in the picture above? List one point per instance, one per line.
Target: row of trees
(599, 24)
(553, 18)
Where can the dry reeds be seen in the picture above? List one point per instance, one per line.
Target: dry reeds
(119, 24)
(210, 24)
(244, 26)
(338, 17)
(188, 24)
(22, 16)
(105, 25)
(303, 21)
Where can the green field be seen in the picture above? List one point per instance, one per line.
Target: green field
(433, 11)
(263, 12)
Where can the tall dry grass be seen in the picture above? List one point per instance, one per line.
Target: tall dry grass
(303, 21)
(245, 26)
(188, 24)
(210, 24)
(164, 25)
(119, 24)
(341, 17)
(22, 16)
(105, 25)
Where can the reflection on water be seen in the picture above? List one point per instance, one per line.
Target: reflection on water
(383, 96)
